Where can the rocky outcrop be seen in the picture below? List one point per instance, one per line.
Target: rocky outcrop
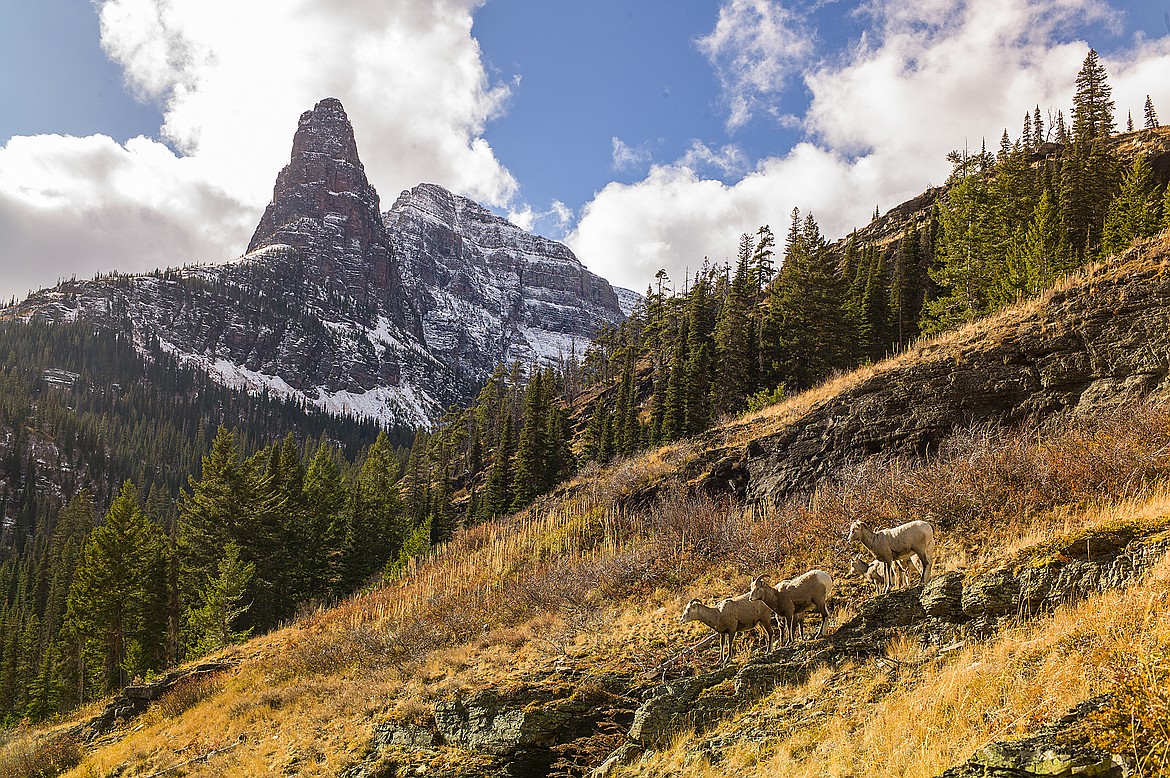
(1094, 343)
(533, 730)
(952, 608)
(133, 700)
(1056, 751)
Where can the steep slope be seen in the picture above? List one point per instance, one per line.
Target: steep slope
(387, 319)
(1093, 342)
(538, 645)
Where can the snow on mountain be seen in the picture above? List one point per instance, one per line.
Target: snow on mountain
(389, 316)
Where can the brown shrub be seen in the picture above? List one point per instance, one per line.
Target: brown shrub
(45, 756)
(1136, 721)
(186, 693)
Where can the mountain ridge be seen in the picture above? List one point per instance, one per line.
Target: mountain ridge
(338, 305)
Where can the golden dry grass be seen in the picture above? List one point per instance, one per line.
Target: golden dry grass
(580, 580)
(941, 709)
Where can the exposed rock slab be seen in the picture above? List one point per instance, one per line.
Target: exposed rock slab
(1097, 343)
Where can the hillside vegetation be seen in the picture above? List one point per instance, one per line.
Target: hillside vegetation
(568, 612)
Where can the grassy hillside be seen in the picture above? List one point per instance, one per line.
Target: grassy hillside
(570, 610)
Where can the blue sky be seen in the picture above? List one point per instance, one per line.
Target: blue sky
(143, 133)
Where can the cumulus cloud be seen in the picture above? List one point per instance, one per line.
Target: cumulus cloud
(552, 222)
(925, 78)
(231, 79)
(757, 46)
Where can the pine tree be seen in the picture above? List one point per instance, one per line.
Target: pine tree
(530, 476)
(208, 514)
(762, 263)
(733, 352)
(595, 448)
(316, 543)
(113, 607)
(1038, 128)
(1151, 114)
(221, 598)
(1061, 131)
(59, 669)
(1034, 259)
(1092, 103)
(674, 421)
(908, 287)
(376, 527)
(1026, 137)
(1088, 180)
(1134, 212)
(498, 496)
(966, 253)
(811, 336)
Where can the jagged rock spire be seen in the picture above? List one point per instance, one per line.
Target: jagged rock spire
(326, 211)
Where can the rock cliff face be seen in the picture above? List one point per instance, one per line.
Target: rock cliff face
(389, 317)
(1093, 343)
(489, 292)
(323, 220)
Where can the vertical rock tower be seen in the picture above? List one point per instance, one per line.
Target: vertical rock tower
(325, 215)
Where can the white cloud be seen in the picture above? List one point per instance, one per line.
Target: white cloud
(756, 48)
(232, 78)
(626, 157)
(728, 159)
(551, 223)
(925, 79)
(80, 205)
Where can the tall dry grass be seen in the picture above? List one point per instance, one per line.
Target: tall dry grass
(918, 723)
(580, 554)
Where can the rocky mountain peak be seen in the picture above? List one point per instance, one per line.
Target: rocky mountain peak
(324, 223)
(326, 130)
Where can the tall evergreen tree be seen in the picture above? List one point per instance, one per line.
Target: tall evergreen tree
(1134, 212)
(907, 287)
(315, 557)
(376, 526)
(1093, 101)
(733, 347)
(966, 253)
(116, 612)
(763, 264)
(222, 602)
(1151, 114)
(531, 476)
(812, 338)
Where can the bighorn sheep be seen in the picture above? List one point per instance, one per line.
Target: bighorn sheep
(735, 614)
(887, 545)
(875, 571)
(807, 591)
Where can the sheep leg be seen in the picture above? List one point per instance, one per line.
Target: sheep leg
(927, 568)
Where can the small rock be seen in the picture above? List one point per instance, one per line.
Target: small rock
(942, 597)
(992, 595)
